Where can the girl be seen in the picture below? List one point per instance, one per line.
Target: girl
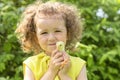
(42, 26)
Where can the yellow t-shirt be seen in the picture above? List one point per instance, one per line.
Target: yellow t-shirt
(39, 65)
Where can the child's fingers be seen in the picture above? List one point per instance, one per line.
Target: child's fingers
(66, 59)
(54, 53)
(59, 60)
(65, 55)
(58, 65)
(58, 54)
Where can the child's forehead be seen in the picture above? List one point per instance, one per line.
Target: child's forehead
(47, 20)
(50, 20)
(49, 16)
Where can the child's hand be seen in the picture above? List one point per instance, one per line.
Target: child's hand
(60, 61)
(66, 64)
(56, 61)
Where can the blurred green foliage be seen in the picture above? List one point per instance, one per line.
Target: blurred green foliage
(100, 43)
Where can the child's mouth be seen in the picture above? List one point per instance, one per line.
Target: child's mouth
(53, 44)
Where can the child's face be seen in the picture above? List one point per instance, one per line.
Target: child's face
(49, 31)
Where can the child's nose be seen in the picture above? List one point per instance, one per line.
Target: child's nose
(52, 37)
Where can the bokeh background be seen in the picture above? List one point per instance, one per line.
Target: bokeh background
(100, 45)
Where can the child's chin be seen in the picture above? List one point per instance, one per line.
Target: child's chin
(52, 49)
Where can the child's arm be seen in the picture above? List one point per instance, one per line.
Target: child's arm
(28, 75)
(65, 77)
(49, 75)
(82, 74)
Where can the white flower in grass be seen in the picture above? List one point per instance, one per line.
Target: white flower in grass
(104, 27)
(101, 14)
(105, 15)
(1, 5)
(118, 12)
(109, 29)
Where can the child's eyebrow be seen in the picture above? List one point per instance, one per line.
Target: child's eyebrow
(41, 30)
(58, 28)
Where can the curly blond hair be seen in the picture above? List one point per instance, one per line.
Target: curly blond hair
(26, 28)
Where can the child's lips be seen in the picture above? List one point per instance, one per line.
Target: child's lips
(52, 44)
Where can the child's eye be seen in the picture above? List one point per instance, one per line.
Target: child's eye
(57, 31)
(44, 33)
